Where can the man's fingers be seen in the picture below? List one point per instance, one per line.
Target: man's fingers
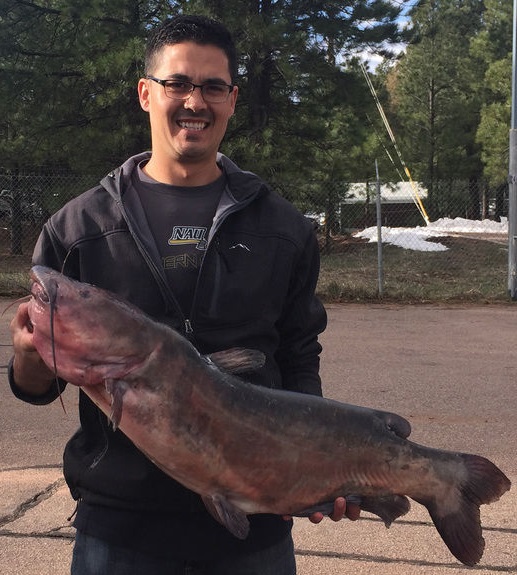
(353, 511)
(339, 509)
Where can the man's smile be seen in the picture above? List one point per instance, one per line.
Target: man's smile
(192, 124)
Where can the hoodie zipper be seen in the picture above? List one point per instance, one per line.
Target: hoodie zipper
(188, 328)
(213, 238)
(168, 294)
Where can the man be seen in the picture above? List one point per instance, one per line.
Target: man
(208, 249)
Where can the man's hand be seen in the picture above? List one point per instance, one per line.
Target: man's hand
(30, 372)
(352, 511)
(20, 328)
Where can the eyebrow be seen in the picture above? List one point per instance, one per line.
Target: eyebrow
(185, 78)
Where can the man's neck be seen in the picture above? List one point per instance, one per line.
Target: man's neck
(184, 174)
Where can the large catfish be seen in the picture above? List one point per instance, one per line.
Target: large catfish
(243, 448)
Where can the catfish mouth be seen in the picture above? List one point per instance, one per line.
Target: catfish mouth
(42, 322)
(43, 301)
(43, 291)
(40, 294)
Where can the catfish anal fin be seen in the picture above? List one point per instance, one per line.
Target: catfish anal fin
(387, 507)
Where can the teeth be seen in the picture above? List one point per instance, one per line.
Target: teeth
(192, 125)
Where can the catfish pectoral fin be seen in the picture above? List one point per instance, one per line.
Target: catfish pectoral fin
(237, 360)
(116, 389)
(233, 518)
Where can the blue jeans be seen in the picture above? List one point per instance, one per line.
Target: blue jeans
(94, 556)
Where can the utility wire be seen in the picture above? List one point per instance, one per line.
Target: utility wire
(416, 197)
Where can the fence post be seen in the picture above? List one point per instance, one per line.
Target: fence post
(512, 176)
(380, 266)
(512, 217)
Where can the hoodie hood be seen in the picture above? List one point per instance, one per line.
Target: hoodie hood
(243, 186)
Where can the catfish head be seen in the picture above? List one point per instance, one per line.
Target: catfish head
(86, 335)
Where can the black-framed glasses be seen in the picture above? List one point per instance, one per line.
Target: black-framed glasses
(212, 92)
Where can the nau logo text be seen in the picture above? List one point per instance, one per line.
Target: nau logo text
(182, 235)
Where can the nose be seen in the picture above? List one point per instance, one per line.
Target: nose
(195, 101)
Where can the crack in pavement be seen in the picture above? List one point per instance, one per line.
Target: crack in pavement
(30, 503)
(511, 530)
(390, 560)
(31, 467)
(52, 534)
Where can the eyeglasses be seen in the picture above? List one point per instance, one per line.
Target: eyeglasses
(181, 90)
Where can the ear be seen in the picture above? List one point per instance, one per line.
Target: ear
(143, 94)
(233, 98)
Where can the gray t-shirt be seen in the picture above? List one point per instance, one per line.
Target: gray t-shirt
(180, 219)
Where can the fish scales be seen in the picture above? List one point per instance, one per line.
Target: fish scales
(243, 448)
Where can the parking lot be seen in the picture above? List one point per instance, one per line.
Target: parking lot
(450, 370)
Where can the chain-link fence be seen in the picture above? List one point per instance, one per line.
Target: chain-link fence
(26, 202)
(445, 242)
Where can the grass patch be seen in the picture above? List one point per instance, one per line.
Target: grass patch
(469, 271)
(14, 275)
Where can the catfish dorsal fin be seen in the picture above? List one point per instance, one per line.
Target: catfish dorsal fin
(233, 518)
(237, 359)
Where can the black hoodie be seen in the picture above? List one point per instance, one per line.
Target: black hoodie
(255, 290)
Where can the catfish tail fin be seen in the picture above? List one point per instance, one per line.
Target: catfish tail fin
(458, 522)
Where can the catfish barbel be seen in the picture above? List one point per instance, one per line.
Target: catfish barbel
(247, 449)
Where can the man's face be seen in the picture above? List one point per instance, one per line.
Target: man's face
(191, 130)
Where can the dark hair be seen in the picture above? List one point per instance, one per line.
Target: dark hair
(198, 29)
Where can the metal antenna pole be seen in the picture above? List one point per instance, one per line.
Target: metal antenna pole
(512, 173)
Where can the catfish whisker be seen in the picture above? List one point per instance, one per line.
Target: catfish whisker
(17, 301)
(66, 260)
(52, 295)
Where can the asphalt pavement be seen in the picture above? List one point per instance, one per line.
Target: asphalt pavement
(450, 370)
